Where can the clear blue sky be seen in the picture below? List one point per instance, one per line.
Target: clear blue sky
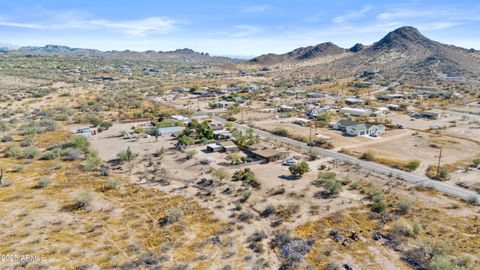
(230, 27)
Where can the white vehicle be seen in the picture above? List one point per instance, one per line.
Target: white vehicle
(400, 126)
(290, 161)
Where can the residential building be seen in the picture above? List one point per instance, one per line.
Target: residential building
(169, 130)
(229, 146)
(353, 128)
(355, 111)
(353, 101)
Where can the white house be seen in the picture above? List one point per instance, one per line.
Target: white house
(181, 118)
(355, 111)
(353, 128)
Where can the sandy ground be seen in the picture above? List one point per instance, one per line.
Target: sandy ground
(421, 147)
(422, 124)
(109, 143)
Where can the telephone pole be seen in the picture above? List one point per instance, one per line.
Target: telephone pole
(438, 165)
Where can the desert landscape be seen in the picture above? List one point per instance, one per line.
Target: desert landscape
(323, 157)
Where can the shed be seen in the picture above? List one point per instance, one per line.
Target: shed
(228, 146)
(214, 147)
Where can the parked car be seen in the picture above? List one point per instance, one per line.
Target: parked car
(311, 144)
(400, 126)
(290, 161)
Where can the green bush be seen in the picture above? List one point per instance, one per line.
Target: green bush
(51, 155)
(80, 142)
(246, 176)
(92, 162)
(112, 183)
(127, 155)
(14, 152)
(299, 169)
(412, 165)
(29, 153)
(44, 182)
(83, 199)
(404, 206)
(191, 153)
(332, 186)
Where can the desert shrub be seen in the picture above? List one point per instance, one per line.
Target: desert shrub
(281, 132)
(61, 117)
(245, 216)
(39, 126)
(332, 187)
(234, 158)
(191, 153)
(247, 176)
(369, 156)
(245, 196)
(299, 169)
(292, 250)
(269, 210)
(220, 174)
(443, 263)
(444, 172)
(257, 236)
(127, 155)
(412, 165)
(79, 142)
(18, 168)
(476, 162)
(404, 206)
(292, 208)
(326, 175)
(174, 215)
(83, 199)
(71, 154)
(378, 204)
(51, 155)
(417, 227)
(112, 183)
(14, 152)
(29, 153)
(44, 182)
(104, 125)
(3, 126)
(92, 162)
(402, 227)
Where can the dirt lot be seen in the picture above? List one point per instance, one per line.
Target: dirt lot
(423, 147)
(473, 107)
(109, 143)
(338, 139)
(423, 124)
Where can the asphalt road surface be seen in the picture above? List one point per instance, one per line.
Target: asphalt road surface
(446, 188)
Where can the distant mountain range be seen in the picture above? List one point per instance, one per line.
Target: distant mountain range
(400, 51)
(180, 55)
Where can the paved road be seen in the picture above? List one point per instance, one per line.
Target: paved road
(446, 188)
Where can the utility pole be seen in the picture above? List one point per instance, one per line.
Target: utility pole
(438, 165)
(310, 137)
